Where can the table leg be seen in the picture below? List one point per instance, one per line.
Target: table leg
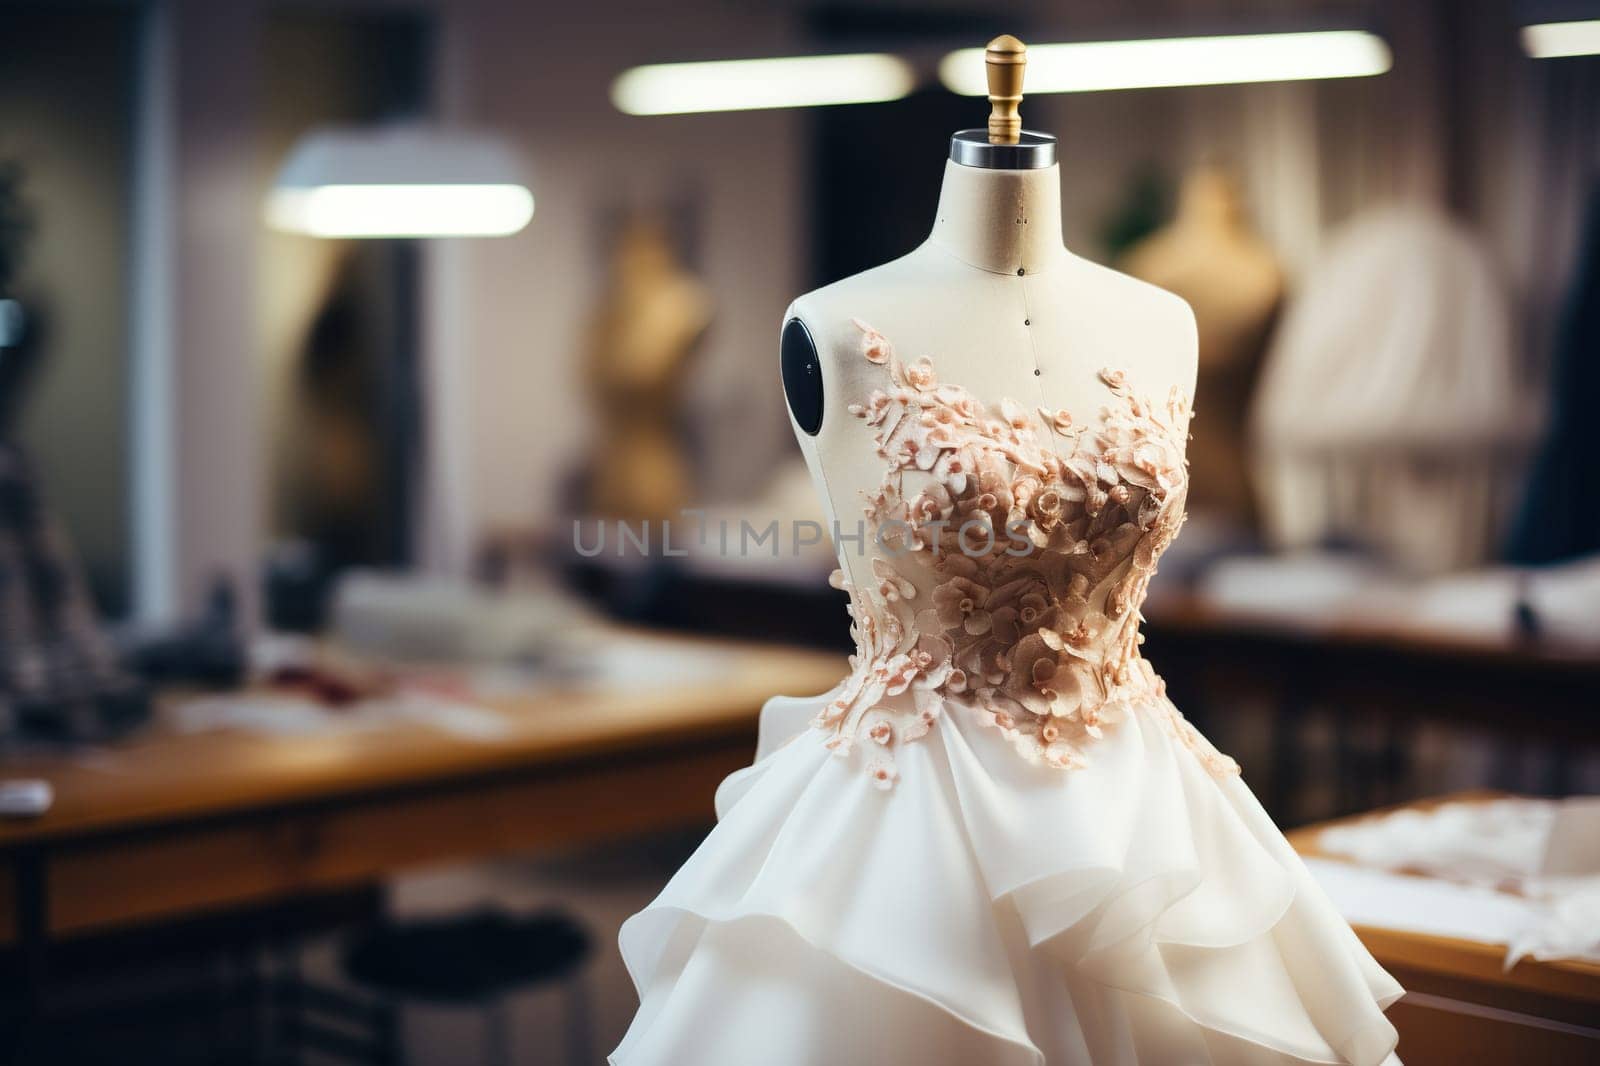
(1287, 778)
(33, 932)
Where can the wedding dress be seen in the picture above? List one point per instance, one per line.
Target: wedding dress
(996, 841)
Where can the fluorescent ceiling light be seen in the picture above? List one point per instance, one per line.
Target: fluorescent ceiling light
(401, 210)
(1552, 40)
(753, 84)
(1092, 66)
(399, 181)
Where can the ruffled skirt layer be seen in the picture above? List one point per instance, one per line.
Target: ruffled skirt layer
(984, 910)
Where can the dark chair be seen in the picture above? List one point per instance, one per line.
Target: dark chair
(478, 958)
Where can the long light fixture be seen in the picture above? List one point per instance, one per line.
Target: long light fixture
(361, 210)
(1093, 66)
(399, 181)
(754, 84)
(1554, 40)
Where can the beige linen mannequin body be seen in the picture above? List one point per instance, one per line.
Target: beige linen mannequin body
(1002, 308)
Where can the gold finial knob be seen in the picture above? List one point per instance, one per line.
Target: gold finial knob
(1004, 61)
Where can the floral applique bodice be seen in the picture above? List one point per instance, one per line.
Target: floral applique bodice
(1010, 552)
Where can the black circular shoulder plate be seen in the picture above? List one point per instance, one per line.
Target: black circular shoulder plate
(802, 376)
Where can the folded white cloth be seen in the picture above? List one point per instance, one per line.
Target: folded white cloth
(1538, 850)
(1569, 927)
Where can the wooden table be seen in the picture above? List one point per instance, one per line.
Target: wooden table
(169, 825)
(1462, 1005)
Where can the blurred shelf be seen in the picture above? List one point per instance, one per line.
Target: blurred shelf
(1551, 687)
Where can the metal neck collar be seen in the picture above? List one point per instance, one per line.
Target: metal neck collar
(1033, 151)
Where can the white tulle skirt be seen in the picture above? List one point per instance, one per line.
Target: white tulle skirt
(988, 911)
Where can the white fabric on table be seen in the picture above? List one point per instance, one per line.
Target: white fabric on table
(1518, 872)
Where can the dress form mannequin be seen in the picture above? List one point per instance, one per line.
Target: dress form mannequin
(996, 840)
(996, 300)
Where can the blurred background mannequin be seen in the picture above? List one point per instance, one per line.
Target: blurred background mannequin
(1209, 255)
(643, 340)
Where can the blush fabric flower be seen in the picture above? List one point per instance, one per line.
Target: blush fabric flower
(1119, 601)
(1059, 420)
(920, 376)
(1032, 680)
(1080, 639)
(1064, 756)
(891, 586)
(1019, 607)
(1015, 415)
(985, 662)
(932, 504)
(921, 725)
(1046, 506)
(883, 773)
(1033, 611)
(874, 345)
(934, 658)
(999, 711)
(960, 604)
(1091, 716)
(953, 469)
(897, 674)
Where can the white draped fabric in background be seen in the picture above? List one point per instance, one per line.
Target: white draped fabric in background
(1393, 410)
